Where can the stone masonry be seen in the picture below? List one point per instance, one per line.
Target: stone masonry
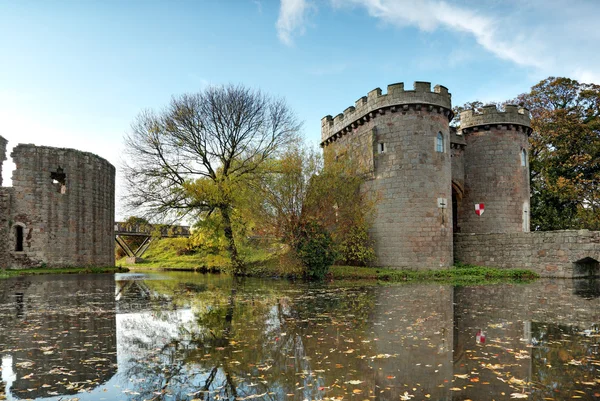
(567, 253)
(427, 176)
(59, 211)
(429, 180)
(393, 136)
(494, 172)
(4, 207)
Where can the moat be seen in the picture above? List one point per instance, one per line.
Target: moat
(184, 336)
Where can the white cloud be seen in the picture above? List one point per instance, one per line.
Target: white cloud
(552, 37)
(429, 15)
(292, 18)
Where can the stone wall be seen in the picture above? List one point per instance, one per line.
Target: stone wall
(3, 143)
(5, 203)
(63, 202)
(4, 208)
(396, 142)
(569, 253)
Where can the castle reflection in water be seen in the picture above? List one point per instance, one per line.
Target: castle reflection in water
(182, 336)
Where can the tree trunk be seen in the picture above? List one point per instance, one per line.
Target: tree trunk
(236, 262)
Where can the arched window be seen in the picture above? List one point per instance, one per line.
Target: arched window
(439, 143)
(523, 157)
(19, 238)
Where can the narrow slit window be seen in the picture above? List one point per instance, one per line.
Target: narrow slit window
(439, 143)
(18, 238)
(381, 147)
(523, 157)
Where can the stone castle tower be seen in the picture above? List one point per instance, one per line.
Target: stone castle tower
(59, 211)
(496, 170)
(427, 176)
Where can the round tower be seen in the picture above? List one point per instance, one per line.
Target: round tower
(401, 140)
(496, 193)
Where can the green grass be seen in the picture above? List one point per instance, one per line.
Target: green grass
(275, 260)
(173, 254)
(457, 275)
(60, 270)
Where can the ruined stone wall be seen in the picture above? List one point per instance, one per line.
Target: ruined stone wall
(5, 223)
(4, 209)
(64, 201)
(3, 143)
(568, 253)
(494, 174)
(394, 137)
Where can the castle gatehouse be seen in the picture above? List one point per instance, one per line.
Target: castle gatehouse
(447, 194)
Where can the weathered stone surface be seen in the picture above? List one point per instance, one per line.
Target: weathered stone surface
(408, 176)
(565, 253)
(424, 196)
(493, 171)
(62, 205)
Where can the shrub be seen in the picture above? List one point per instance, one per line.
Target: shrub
(315, 249)
(356, 248)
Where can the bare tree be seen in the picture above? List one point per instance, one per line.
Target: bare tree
(192, 156)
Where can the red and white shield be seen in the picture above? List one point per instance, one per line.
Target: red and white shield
(480, 337)
(479, 209)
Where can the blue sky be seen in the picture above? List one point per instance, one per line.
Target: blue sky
(76, 73)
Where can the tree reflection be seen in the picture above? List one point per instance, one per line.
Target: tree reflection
(239, 347)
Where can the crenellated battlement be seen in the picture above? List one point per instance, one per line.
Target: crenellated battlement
(396, 99)
(512, 116)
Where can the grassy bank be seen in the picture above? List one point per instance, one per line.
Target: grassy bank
(276, 261)
(461, 274)
(64, 270)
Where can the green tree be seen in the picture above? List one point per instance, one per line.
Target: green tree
(315, 204)
(565, 154)
(192, 157)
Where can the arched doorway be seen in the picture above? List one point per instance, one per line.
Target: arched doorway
(457, 195)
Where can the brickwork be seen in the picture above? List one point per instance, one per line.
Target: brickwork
(61, 209)
(494, 172)
(568, 253)
(394, 137)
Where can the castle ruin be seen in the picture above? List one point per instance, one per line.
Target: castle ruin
(59, 211)
(447, 195)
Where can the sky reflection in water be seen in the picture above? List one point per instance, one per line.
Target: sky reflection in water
(197, 337)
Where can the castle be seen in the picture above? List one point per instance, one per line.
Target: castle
(447, 194)
(60, 210)
(443, 195)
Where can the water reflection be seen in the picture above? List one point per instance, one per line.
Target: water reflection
(587, 288)
(185, 336)
(58, 334)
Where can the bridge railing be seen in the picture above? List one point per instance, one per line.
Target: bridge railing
(122, 228)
